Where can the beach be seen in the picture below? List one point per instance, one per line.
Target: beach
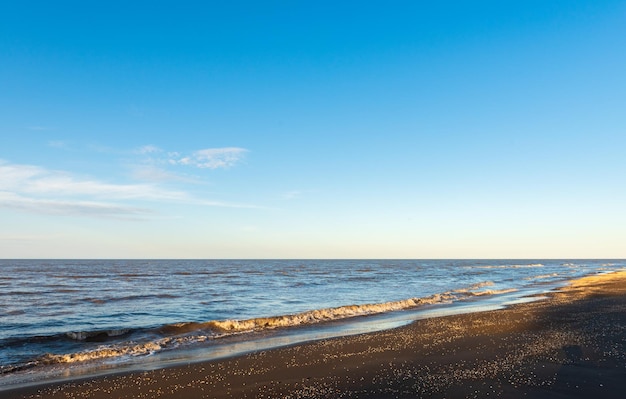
(571, 344)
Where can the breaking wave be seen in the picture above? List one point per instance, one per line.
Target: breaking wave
(329, 314)
(541, 277)
(102, 353)
(84, 335)
(175, 335)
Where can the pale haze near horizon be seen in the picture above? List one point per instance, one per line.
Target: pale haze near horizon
(313, 130)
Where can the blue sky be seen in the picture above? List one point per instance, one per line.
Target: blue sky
(288, 129)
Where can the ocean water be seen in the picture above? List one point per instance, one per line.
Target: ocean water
(70, 317)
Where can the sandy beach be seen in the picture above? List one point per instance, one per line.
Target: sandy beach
(572, 345)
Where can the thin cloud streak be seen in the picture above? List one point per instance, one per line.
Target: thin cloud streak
(66, 185)
(28, 238)
(211, 158)
(28, 179)
(148, 149)
(34, 189)
(222, 204)
(73, 208)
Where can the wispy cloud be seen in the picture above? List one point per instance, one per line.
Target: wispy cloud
(29, 179)
(156, 164)
(71, 207)
(223, 204)
(34, 189)
(148, 149)
(210, 158)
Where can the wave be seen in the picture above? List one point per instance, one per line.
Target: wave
(104, 352)
(493, 292)
(78, 336)
(541, 276)
(479, 285)
(101, 301)
(521, 266)
(177, 334)
(12, 368)
(84, 335)
(472, 290)
(328, 314)
(14, 312)
(135, 275)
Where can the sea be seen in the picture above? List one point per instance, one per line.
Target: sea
(62, 319)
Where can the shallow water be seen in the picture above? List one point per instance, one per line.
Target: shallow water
(65, 314)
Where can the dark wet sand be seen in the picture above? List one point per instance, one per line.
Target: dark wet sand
(572, 345)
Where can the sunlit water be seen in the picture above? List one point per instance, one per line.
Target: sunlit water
(66, 313)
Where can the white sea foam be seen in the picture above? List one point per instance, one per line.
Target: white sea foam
(120, 350)
(343, 312)
(61, 296)
(541, 276)
(183, 333)
(473, 290)
(106, 352)
(329, 314)
(520, 266)
(493, 292)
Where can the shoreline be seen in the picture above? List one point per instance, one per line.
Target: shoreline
(572, 343)
(262, 333)
(274, 338)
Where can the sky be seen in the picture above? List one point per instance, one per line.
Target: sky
(326, 129)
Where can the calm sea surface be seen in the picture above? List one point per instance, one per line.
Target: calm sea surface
(59, 314)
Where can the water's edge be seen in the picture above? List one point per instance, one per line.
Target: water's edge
(238, 345)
